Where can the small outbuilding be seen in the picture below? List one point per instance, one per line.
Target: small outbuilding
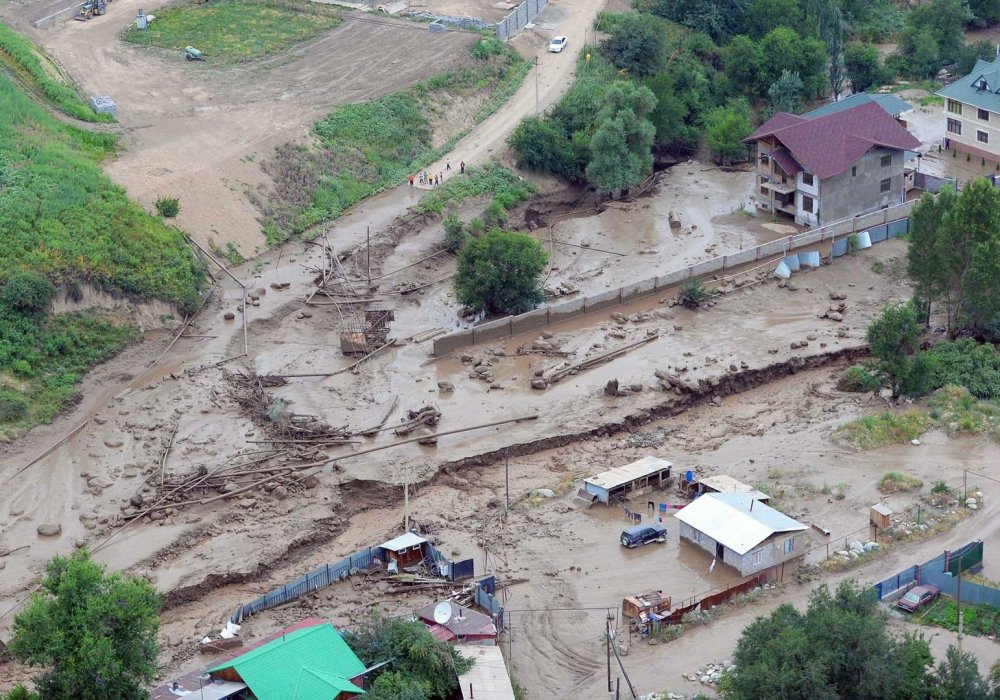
(727, 484)
(617, 483)
(458, 623)
(406, 550)
(879, 516)
(742, 532)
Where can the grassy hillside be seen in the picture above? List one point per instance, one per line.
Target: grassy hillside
(62, 222)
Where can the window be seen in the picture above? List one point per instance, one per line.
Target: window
(763, 191)
(854, 170)
(756, 559)
(982, 137)
(954, 127)
(807, 204)
(886, 184)
(886, 161)
(808, 180)
(954, 107)
(983, 114)
(789, 545)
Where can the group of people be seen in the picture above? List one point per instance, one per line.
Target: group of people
(425, 178)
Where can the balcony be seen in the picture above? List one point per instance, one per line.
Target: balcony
(780, 186)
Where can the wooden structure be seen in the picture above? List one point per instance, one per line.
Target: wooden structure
(366, 331)
(400, 552)
(617, 483)
(643, 608)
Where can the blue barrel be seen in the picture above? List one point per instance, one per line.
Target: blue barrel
(689, 476)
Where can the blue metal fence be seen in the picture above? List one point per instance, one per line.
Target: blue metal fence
(933, 572)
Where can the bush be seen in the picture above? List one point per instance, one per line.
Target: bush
(499, 273)
(693, 293)
(965, 363)
(168, 207)
(13, 406)
(892, 482)
(883, 429)
(485, 48)
(27, 291)
(859, 378)
(455, 234)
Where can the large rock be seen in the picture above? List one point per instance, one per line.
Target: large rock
(49, 529)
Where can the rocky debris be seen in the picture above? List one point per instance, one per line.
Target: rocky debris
(426, 436)
(445, 387)
(114, 442)
(426, 416)
(539, 383)
(49, 529)
(675, 383)
(710, 674)
(229, 315)
(971, 504)
(280, 285)
(675, 221)
(99, 483)
(560, 289)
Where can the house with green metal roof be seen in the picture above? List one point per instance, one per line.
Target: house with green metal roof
(972, 111)
(313, 663)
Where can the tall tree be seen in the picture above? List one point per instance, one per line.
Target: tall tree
(786, 93)
(861, 65)
(725, 129)
(621, 150)
(636, 44)
(671, 114)
(720, 19)
(923, 260)
(893, 338)
(94, 632)
(499, 273)
(960, 679)
(741, 59)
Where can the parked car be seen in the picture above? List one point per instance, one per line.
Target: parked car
(643, 534)
(557, 44)
(917, 597)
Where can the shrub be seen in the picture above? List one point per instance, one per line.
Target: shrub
(485, 48)
(499, 273)
(859, 378)
(455, 234)
(13, 406)
(940, 487)
(693, 293)
(168, 207)
(27, 291)
(883, 429)
(892, 482)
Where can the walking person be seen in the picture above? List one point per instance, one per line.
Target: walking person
(411, 180)
(462, 167)
(447, 164)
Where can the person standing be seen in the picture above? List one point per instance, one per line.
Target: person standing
(411, 180)
(447, 164)
(462, 167)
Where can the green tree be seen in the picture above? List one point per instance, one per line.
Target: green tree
(95, 632)
(742, 62)
(725, 129)
(766, 15)
(499, 273)
(919, 53)
(541, 145)
(19, 692)
(985, 13)
(785, 94)
(893, 338)
(960, 679)
(933, 35)
(670, 117)
(970, 53)
(27, 292)
(924, 262)
(861, 65)
(621, 149)
(636, 44)
(784, 49)
(720, 19)
(421, 667)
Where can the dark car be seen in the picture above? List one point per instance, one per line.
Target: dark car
(917, 597)
(642, 534)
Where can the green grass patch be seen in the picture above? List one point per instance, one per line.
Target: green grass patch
(928, 100)
(363, 148)
(956, 410)
(891, 482)
(859, 378)
(38, 74)
(233, 31)
(977, 620)
(882, 429)
(507, 188)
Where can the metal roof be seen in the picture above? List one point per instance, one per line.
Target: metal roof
(968, 89)
(272, 669)
(892, 105)
(314, 684)
(882, 509)
(487, 679)
(736, 520)
(618, 476)
(463, 621)
(404, 541)
(727, 484)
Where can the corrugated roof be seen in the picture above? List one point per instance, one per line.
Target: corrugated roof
(968, 89)
(882, 509)
(617, 476)
(727, 484)
(892, 105)
(404, 541)
(314, 684)
(829, 145)
(736, 520)
(463, 621)
(272, 669)
(488, 678)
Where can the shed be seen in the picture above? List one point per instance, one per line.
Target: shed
(727, 484)
(312, 663)
(741, 531)
(488, 678)
(879, 515)
(616, 483)
(406, 550)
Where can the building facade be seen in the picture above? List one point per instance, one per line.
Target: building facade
(972, 112)
(830, 167)
(775, 550)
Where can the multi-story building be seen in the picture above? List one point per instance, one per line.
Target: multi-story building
(831, 167)
(972, 111)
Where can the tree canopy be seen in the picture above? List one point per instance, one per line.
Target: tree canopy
(499, 273)
(725, 129)
(636, 44)
(893, 338)
(94, 632)
(621, 149)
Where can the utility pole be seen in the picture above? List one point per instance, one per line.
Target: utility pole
(406, 498)
(607, 634)
(369, 256)
(537, 110)
(506, 478)
(958, 599)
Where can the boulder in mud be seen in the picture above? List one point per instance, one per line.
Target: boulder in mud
(49, 529)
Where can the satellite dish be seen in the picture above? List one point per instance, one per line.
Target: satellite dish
(442, 613)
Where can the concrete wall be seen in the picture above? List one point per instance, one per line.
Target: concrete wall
(858, 188)
(772, 552)
(967, 141)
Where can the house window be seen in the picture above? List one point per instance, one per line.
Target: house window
(954, 127)
(763, 191)
(807, 204)
(756, 559)
(854, 170)
(807, 179)
(886, 161)
(982, 137)
(954, 107)
(983, 114)
(886, 184)
(789, 545)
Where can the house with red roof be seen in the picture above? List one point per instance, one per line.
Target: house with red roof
(828, 167)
